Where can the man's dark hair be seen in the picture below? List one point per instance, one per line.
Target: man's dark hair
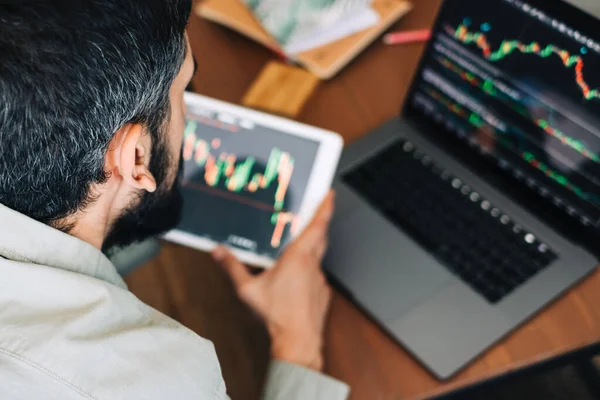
(71, 74)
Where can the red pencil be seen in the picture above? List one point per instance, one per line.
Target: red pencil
(407, 37)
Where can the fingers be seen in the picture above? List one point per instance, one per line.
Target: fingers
(320, 249)
(237, 271)
(326, 297)
(315, 233)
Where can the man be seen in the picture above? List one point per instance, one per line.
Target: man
(91, 126)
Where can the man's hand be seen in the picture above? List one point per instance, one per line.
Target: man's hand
(292, 298)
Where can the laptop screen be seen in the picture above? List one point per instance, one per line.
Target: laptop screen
(518, 81)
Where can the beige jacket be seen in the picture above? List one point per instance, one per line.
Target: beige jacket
(70, 330)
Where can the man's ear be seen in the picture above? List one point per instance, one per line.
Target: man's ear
(129, 155)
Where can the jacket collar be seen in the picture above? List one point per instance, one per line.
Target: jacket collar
(26, 240)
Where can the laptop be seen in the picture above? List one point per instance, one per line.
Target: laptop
(480, 204)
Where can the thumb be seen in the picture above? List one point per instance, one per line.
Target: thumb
(235, 269)
(316, 231)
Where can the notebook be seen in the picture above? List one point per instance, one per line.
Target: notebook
(325, 61)
(302, 25)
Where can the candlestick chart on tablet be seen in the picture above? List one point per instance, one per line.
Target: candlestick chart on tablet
(243, 183)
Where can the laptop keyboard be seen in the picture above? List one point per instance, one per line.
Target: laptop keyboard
(476, 241)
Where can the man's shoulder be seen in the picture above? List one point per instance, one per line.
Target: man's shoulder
(70, 329)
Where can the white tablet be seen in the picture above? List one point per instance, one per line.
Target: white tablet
(251, 181)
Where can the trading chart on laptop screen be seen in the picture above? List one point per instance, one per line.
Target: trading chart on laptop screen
(243, 183)
(522, 86)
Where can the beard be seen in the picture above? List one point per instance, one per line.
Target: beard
(153, 213)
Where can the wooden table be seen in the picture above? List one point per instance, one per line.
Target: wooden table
(186, 285)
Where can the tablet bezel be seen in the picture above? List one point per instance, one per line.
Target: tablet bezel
(319, 183)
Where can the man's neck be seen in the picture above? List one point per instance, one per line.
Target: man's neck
(92, 224)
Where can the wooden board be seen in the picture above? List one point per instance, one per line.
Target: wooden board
(326, 61)
(281, 89)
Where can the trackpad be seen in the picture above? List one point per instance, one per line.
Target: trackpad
(385, 270)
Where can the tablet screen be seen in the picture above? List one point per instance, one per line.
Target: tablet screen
(243, 183)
